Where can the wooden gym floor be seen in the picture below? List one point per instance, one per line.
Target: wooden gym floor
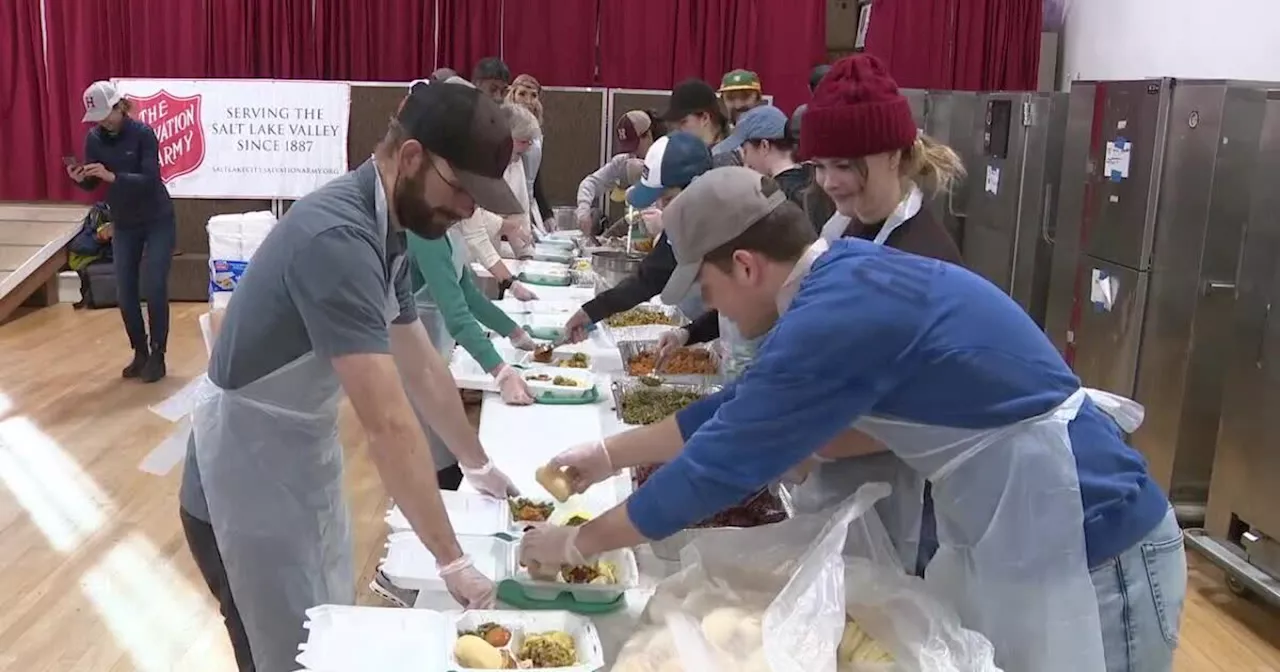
(94, 571)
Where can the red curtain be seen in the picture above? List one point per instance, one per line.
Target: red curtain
(553, 40)
(998, 45)
(713, 37)
(86, 42)
(262, 38)
(987, 45)
(25, 171)
(914, 38)
(376, 41)
(780, 41)
(469, 31)
(637, 44)
(791, 38)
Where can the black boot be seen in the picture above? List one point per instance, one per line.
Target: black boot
(154, 369)
(135, 367)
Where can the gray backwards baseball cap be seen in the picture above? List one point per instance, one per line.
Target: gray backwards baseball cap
(712, 211)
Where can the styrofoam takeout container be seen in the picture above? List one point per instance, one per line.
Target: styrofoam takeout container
(553, 251)
(545, 389)
(470, 514)
(547, 327)
(586, 639)
(549, 590)
(346, 638)
(409, 565)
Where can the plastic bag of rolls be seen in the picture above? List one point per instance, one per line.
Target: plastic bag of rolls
(783, 598)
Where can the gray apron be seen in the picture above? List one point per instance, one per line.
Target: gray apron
(442, 340)
(831, 482)
(271, 464)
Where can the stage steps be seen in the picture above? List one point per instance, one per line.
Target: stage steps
(33, 242)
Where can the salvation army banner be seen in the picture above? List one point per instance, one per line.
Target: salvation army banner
(244, 138)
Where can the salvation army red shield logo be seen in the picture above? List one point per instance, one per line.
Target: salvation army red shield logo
(176, 122)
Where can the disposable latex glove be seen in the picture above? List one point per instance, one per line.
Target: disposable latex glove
(652, 218)
(522, 340)
(585, 464)
(672, 339)
(585, 224)
(490, 480)
(467, 585)
(544, 549)
(797, 474)
(512, 386)
(576, 328)
(522, 293)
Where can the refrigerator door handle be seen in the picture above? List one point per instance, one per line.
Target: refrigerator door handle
(1260, 359)
(1214, 286)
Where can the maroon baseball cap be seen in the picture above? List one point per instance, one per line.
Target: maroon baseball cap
(631, 126)
(463, 126)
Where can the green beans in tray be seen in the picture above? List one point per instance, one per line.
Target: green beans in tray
(639, 404)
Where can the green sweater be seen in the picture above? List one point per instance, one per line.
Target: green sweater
(459, 300)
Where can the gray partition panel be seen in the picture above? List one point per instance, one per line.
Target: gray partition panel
(573, 139)
(372, 107)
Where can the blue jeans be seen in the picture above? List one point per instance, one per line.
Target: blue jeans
(127, 246)
(1140, 595)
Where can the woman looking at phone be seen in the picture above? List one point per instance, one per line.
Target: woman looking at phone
(123, 154)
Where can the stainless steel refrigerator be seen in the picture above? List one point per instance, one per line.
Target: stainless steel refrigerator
(1015, 164)
(951, 118)
(1154, 195)
(1243, 516)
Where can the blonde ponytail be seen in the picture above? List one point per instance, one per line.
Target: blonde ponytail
(935, 167)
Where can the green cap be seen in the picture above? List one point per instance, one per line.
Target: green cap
(740, 80)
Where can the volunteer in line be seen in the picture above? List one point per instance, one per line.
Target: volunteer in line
(526, 91)
(761, 138)
(123, 153)
(455, 312)
(741, 91)
(694, 107)
(635, 133)
(483, 231)
(492, 76)
(326, 309)
(884, 172)
(1033, 481)
(671, 164)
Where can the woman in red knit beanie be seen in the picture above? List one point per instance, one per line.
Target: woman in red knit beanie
(874, 163)
(877, 167)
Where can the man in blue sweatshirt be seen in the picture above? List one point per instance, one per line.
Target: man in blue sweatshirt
(123, 153)
(1054, 541)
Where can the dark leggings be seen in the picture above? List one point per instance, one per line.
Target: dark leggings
(204, 548)
(127, 246)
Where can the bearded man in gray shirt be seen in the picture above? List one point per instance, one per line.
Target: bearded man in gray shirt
(326, 309)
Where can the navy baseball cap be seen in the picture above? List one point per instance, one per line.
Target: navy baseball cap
(673, 161)
(763, 122)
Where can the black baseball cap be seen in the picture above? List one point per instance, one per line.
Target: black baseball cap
(463, 126)
(816, 75)
(690, 96)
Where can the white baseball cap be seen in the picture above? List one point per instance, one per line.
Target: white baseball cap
(99, 99)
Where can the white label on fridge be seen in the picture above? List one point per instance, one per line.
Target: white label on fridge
(1116, 166)
(1103, 290)
(993, 180)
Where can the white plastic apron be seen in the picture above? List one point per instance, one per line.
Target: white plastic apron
(1011, 555)
(271, 464)
(831, 482)
(909, 207)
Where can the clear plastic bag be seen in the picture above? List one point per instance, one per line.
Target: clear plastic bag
(746, 600)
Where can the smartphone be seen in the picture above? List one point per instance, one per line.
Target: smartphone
(70, 161)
